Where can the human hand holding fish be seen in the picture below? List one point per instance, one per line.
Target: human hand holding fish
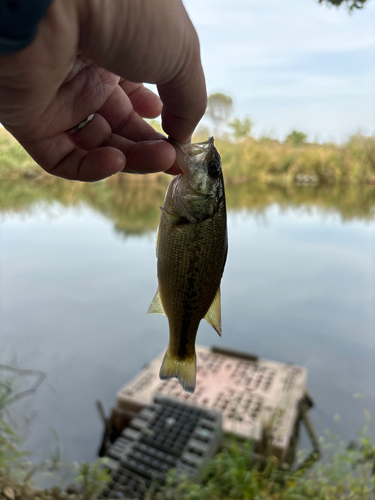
(191, 253)
(91, 58)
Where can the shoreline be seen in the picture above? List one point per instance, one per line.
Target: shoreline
(246, 160)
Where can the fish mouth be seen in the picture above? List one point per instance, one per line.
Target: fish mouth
(191, 149)
(195, 148)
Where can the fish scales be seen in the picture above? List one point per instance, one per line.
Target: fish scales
(190, 267)
(191, 252)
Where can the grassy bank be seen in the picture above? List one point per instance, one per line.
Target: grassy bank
(263, 160)
(269, 160)
(132, 201)
(345, 472)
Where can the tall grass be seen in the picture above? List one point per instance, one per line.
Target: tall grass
(268, 160)
(247, 159)
(18, 473)
(15, 163)
(344, 473)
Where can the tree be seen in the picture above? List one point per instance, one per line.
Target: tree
(296, 138)
(219, 109)
(241, 128)
(351, 4)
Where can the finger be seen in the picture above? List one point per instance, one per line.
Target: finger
(174, 170)
(144, 157)
(134, 49)
(184, 103)
(90, 166)
(145, 102)
(59, 156)
(94, 134)
(136, 129)
(76, 100)
(123, 120)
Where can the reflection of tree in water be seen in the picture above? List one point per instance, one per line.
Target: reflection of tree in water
(349, 202)
(134, 206)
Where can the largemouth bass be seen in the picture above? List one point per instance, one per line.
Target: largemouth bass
(191, 252)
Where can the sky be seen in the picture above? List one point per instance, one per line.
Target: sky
(291, 64)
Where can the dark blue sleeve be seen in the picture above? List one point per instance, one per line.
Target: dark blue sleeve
(19, 22)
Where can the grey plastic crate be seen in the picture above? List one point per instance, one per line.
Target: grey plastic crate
(167, 434)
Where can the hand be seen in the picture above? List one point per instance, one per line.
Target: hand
(85, 59)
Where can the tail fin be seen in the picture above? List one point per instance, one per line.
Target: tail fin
(183, 370)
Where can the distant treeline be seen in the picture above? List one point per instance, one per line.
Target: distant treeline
(247, 159)
(268, 160)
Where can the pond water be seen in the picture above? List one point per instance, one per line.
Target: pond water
(299, 286)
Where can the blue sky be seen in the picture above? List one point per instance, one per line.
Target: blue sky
(291, 64)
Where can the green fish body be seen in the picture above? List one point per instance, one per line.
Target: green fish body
(191, 252)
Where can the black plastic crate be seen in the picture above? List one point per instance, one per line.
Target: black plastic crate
(166, 435)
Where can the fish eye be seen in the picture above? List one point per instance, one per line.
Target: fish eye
(213, 169)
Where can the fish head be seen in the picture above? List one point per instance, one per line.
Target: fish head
(200, 186)
(201, 163)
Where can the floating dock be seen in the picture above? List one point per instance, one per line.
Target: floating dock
(258, 399)
(156, 426)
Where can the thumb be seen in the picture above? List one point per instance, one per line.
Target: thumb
(152, 41)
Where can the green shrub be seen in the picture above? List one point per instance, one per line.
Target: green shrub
(344, 473)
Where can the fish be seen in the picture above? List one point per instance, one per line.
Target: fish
(191, 250)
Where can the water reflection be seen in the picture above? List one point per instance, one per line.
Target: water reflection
(133, 206)
(349, 202)
(298, 286)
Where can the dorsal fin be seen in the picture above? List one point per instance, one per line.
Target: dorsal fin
(213, 315)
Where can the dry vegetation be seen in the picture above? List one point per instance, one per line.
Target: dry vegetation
(247, 159)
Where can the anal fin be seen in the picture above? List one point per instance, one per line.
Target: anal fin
(156, 306)
(213, 315)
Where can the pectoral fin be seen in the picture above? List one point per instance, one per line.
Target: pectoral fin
(173, 219)
(156, 306)
(213, 315)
